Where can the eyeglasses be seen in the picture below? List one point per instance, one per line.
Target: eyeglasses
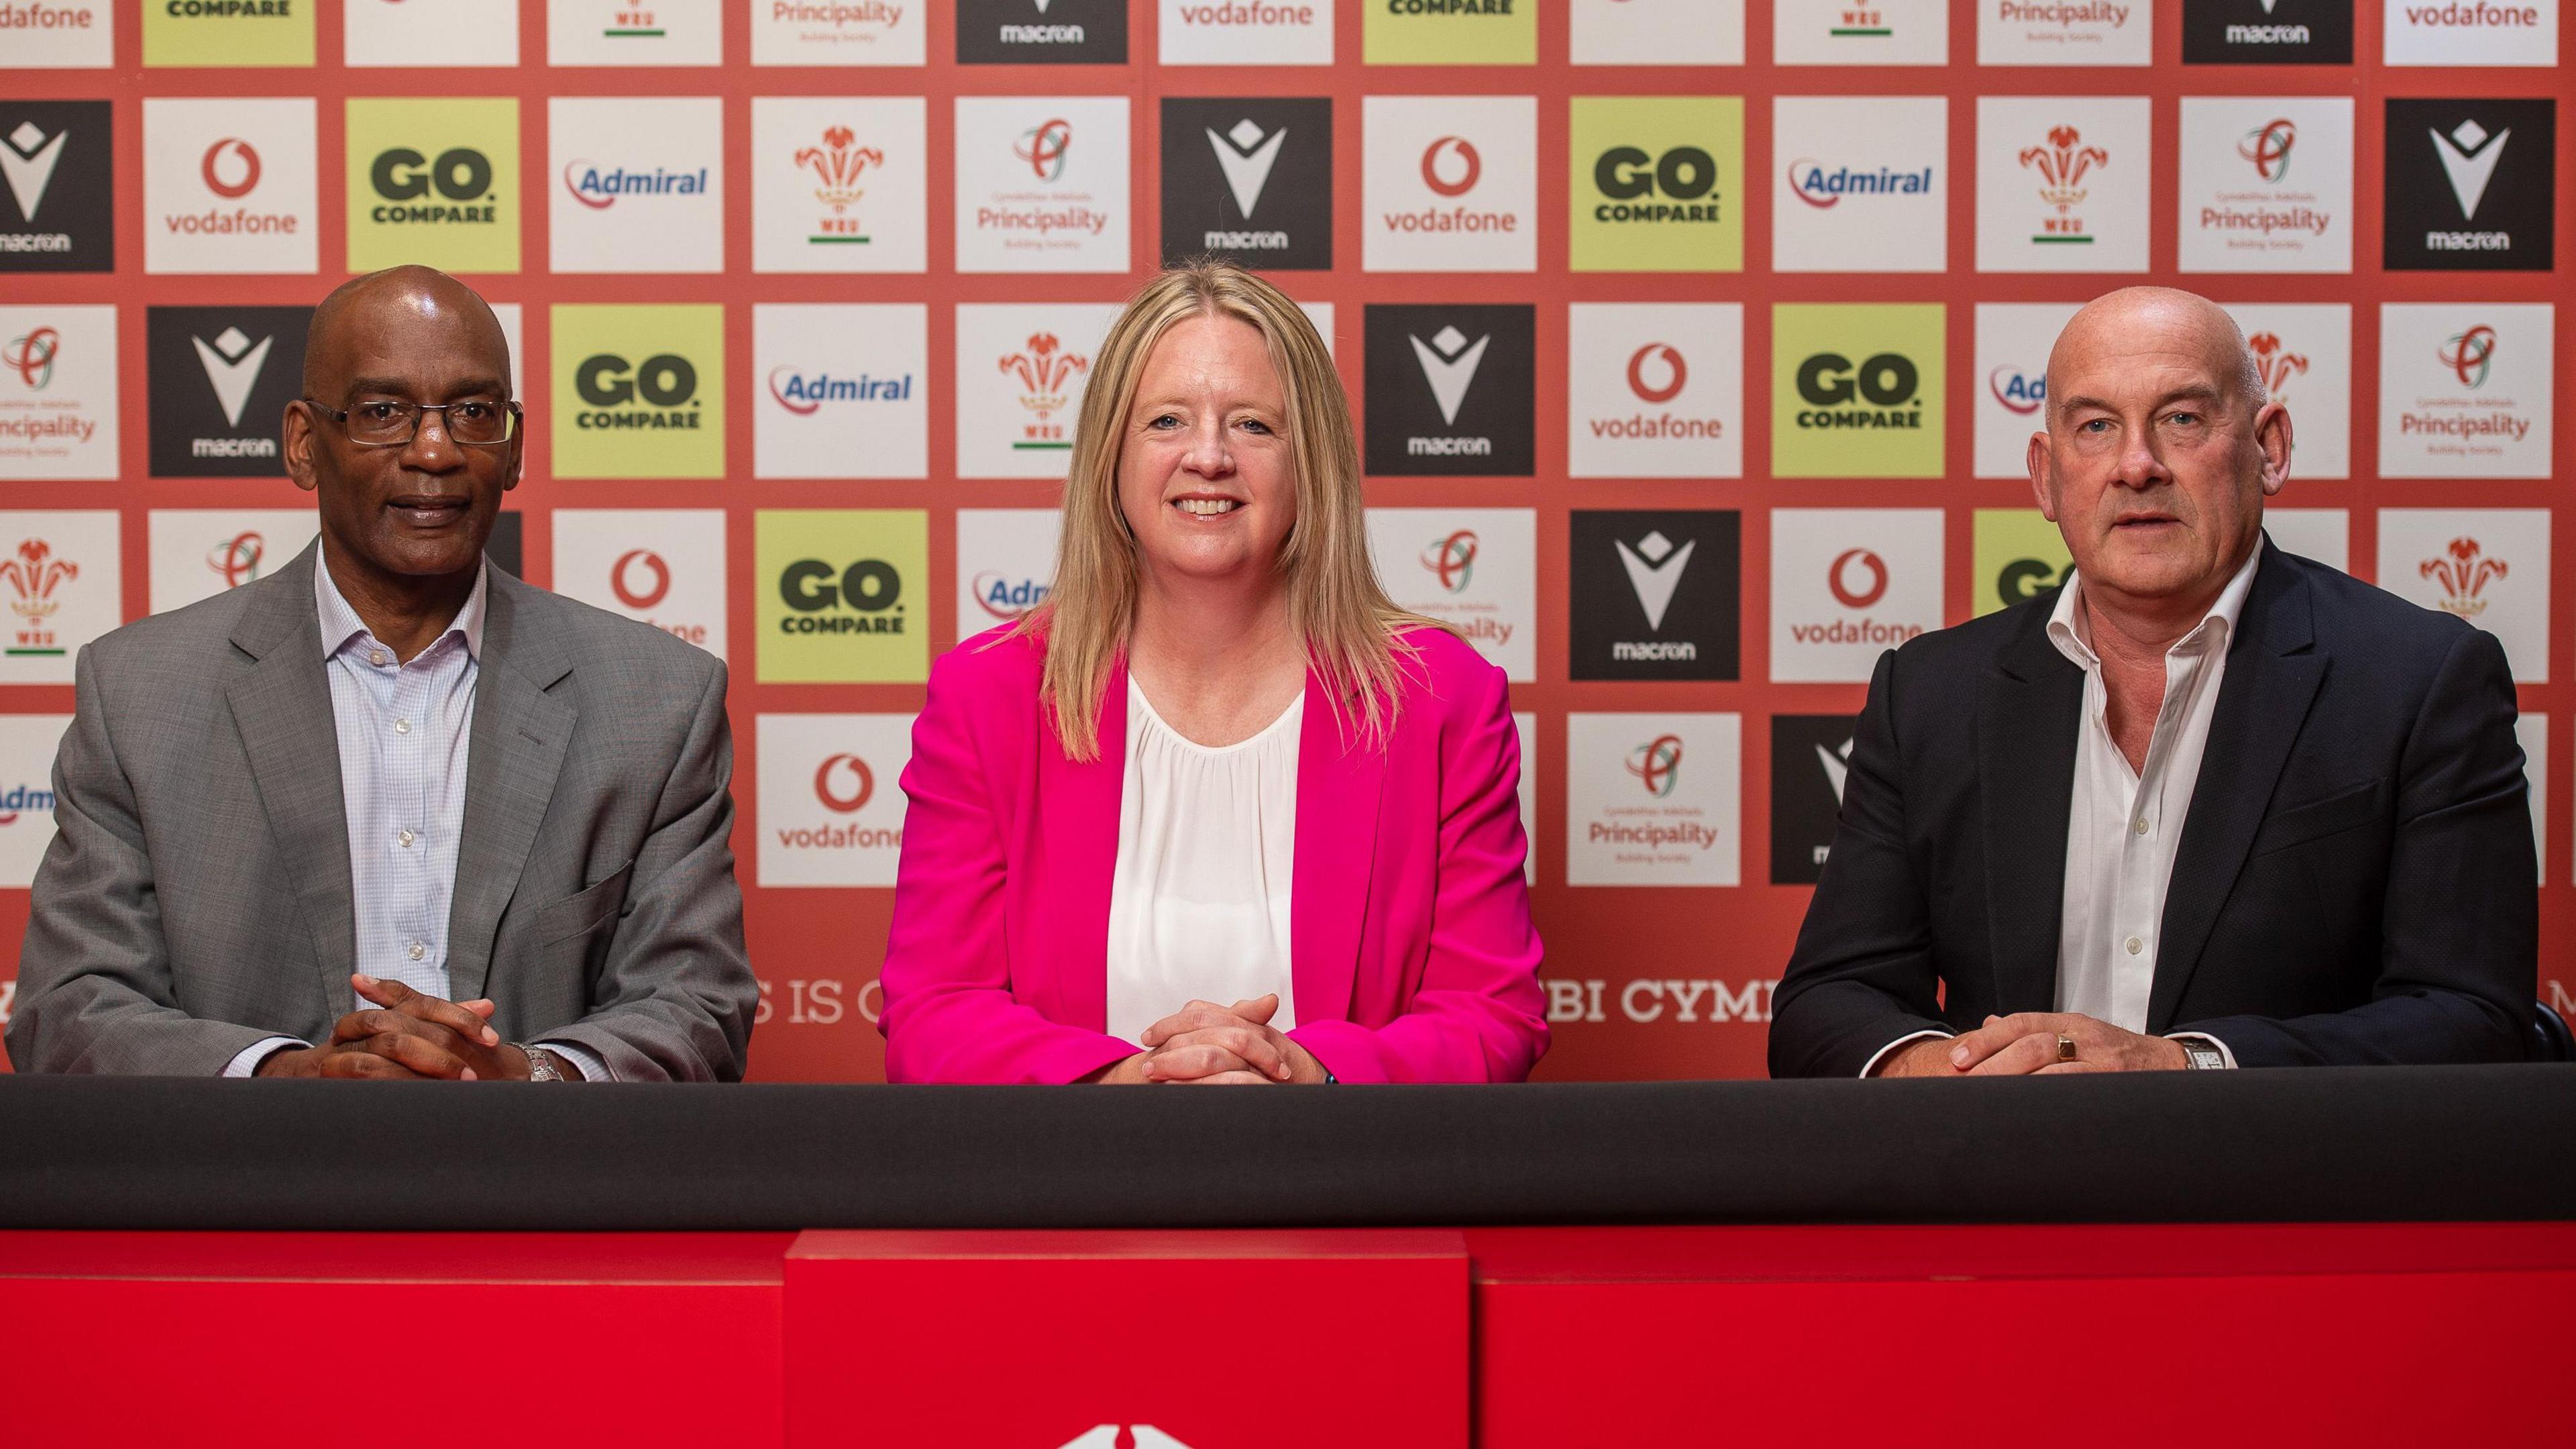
(384, 423)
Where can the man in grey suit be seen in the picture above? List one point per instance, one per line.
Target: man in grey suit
(390, 812)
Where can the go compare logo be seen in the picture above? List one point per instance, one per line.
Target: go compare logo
(434, 182)
(639, 391)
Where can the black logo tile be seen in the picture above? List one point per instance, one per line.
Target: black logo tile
(2267, 32)
(1042, 32)
(1809, 753)
(1655, 594)
(58, 203)
(2470, 185)
(1450, 389)
(1250, 181)
(220, 380)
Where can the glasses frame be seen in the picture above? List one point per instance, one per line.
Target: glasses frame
(340, 416)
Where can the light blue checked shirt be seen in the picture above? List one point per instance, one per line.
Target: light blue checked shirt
(405, 731)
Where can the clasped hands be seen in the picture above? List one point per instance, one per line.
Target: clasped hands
(2025, 1044)
(1204, 1044)
(407, 1035)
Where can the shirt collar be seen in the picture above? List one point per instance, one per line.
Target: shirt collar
(2070, 628)
(341, 624)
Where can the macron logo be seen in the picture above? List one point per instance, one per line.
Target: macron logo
(1246, 159)
(1449, 364)
(1655, 575)
(1837, 765)
(28, 161)
(232, 368)
(2469, 168)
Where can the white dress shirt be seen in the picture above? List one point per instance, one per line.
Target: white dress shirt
(1207, 852)
(2124, 825)
(405, 731)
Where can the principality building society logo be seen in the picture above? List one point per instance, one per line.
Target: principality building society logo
(434, 182)
(639, 391)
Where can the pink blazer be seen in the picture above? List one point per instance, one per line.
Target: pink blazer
(1411, 949)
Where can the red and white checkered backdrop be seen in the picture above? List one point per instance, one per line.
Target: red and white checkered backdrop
(1694, 343)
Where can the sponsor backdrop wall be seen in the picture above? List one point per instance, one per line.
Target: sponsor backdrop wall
(1696, 343)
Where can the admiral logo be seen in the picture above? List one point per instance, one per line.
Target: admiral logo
(1456, 387)
(662, 154)
(54, 157)
(2063, 32)
(1653, 800)
(2021, 392)
(1247, 32)
(838, 183)
(1823, 189)
(435, 182)
(221, 378)
(1047, 189)
(831, 805)
(804, 394)
(1250, 181)
(639, 391)
(1654, 390)
(58, 34)
(2265, 184)
(842, 388)
(1654, 595)
(660, 567)
(1849, 584)
(1042, 32)
(599, 188)
(1473, 569)
(2450, 559)
(59, 579)
(2470, 184)
(837, 165)
(836, 32)
(2267, 32)
(58, 392)
(1005, 564)
(2469, 32)
(837, 608)
(1810, 760)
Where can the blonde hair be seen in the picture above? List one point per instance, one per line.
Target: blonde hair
(1342, 615)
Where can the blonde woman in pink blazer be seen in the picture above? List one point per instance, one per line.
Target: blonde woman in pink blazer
(1218, 812)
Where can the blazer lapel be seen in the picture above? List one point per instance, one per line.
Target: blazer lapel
(282, 708)
(2028, 710)
(1078, 807)
(1339, 777)
(516, 748)
(2272, 678)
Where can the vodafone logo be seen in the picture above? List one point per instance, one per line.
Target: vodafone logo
(836, 801)
(1470, 166)
(1838, 574)
(212, 168)
(1669, 360)
(656, 572)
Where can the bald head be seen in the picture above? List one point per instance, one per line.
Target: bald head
(395, 310)
(2164, 321)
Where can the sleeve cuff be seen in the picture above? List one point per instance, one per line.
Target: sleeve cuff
(592, 1069)
(1881, 1054)
(245, 1063)
(2213, 1041)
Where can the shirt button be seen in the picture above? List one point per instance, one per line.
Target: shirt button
(418, 951)
(2142, 825)
(377, 657)
(2135, 946)
(406, 837)
(402, 726)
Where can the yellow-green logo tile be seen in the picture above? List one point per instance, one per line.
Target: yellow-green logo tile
(1856, 390)
(839, 595)
(2018, 554)
(1449, 32)
(434, 182)
(227, 32)
(1658, 184)
(639, 391)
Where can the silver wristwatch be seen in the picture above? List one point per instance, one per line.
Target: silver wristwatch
(541, 1068)
(2201, 1056)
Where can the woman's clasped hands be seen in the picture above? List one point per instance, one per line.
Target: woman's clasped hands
(1204, 1044)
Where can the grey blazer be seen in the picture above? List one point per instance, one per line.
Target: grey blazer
(197, 895)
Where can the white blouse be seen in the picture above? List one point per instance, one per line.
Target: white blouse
(1207, 850)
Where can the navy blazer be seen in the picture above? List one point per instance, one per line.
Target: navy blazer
(2355, 882)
